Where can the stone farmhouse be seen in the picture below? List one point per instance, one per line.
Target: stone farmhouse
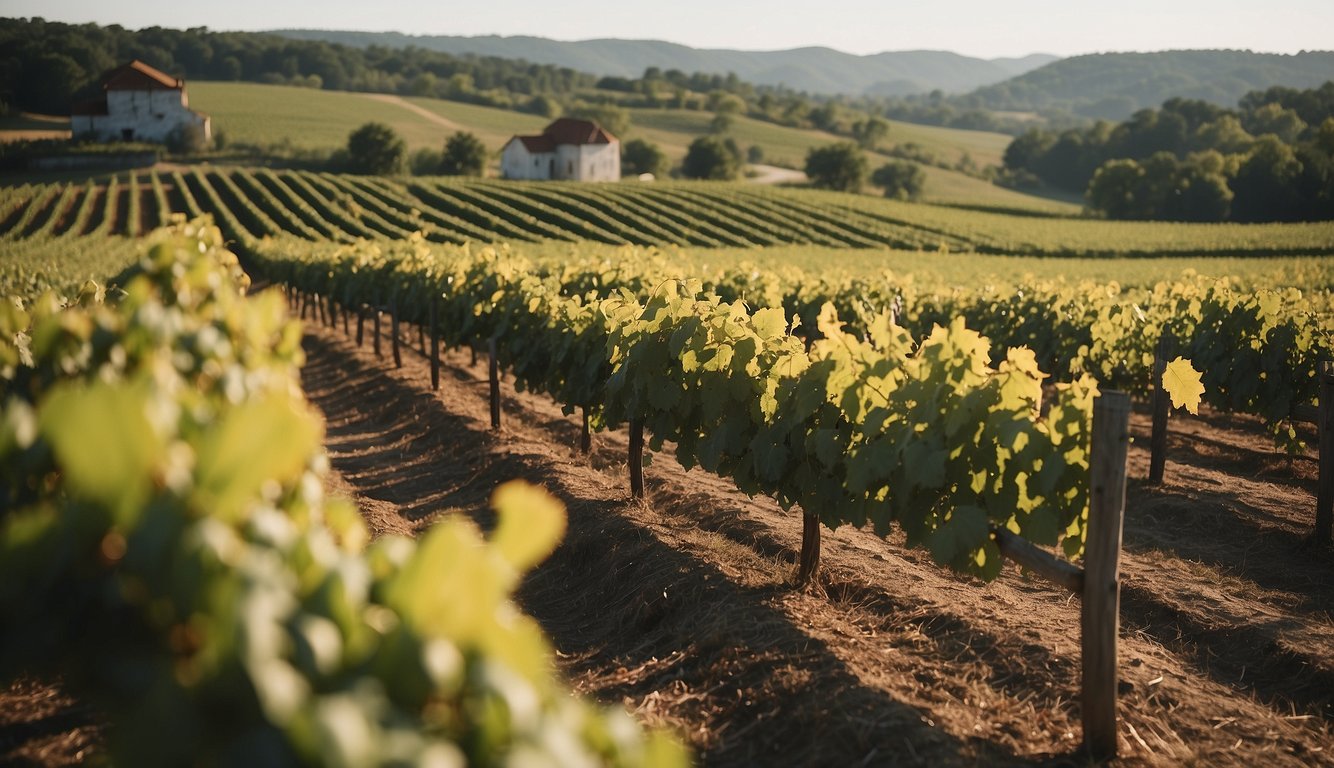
(139, 103)
(579, 150)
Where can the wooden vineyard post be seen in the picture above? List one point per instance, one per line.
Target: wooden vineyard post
(585, 438)
(305, 304)
(421, 338)
(810, 549)
(343, 308)
(494, 370)
(393, 331)
(375, 332)
(361, 321)
(1324, 505)
(435, 347)
(1100, 609)
(1161, 406)
(332, 306)
(637, 458)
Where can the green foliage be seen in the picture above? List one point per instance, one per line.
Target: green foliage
(465, 155)
(840, 167)
(862, 429)
(711, 157)
(870, 132)
(166, 548)
(639, 156)
(614, 119)
(1154, 166)
(375, 149)
(900, 179)
(425, 162)
(1162, 188)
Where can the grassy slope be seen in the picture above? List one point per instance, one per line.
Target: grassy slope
(305, 118)
(321, 120)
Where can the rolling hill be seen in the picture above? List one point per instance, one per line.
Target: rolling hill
(319, 121)
(1112, 86)
(817, 70)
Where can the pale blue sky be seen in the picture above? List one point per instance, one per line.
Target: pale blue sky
(985, 28)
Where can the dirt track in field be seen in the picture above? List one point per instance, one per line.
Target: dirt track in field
(679, 607)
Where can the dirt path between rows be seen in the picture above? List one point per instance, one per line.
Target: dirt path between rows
(427, 114)
(679, 607)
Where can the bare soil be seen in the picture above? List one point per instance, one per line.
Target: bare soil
(681, 608)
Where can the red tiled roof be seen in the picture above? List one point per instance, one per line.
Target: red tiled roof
(568, 130)
(536, 144)
(138, 76)
(91, 107)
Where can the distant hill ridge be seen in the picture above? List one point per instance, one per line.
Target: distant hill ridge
(1114, 85)
(816, 70)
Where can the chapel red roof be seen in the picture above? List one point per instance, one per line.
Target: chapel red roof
(537, 144)
(566, 130)
(138, 76)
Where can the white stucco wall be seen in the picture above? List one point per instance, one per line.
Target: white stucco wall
(516, 162)
(600, 162)
(588, 162)
(140, 116)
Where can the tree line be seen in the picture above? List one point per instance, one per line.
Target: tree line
(46, 67)
(1270, 159)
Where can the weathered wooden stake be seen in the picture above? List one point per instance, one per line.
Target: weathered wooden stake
(585, 437)
(375, 331)
(810, 549)
(333, 311)
(421, 338)
(1162, 404)
(343, 308)
(435, 348)
(305, 304)
(393, 331)
(1324, 505)
(494, 367)
(361, 321)
(637, 458)
(1100, 609)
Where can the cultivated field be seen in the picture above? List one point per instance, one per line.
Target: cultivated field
(321, 120)
(799, 357)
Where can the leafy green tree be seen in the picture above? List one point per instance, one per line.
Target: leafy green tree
(544, 106)
(465, 155)
(839, 166)
(870, 132)
(375, 149)
(1272, 118)
(611, 117)
(1265, 184)
(424, 162)
(721, 123)
(639, 156)
(755, 154)
(711, 157)
(1114, 189)
(900, 179)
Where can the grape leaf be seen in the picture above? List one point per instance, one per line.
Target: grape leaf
(1183, 385)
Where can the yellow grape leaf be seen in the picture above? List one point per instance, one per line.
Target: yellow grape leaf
(1182, 383)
